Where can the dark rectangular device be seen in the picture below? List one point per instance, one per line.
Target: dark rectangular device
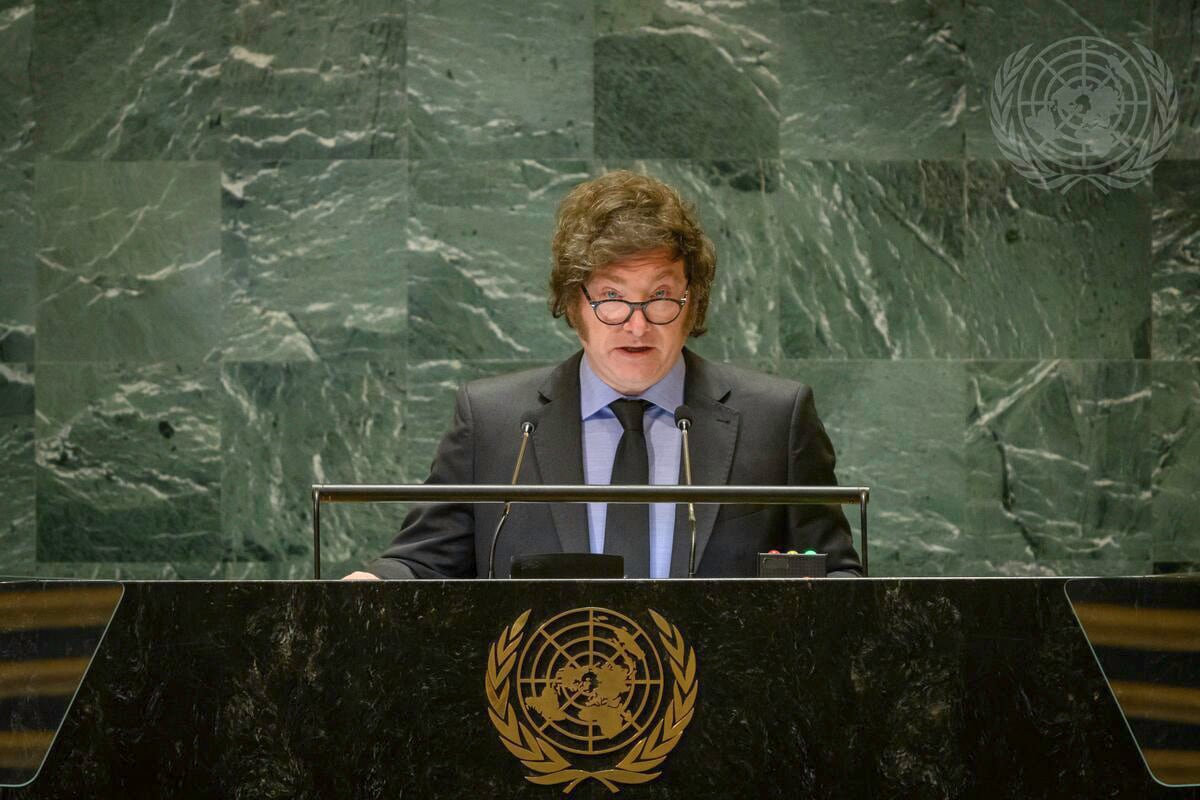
(791, 565)
(573, 566)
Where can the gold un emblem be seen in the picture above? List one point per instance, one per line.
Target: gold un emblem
(589, 696)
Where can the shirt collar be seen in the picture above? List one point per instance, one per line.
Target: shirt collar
(595, 394)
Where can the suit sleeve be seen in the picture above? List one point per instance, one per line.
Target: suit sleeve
(811, 462)
(438, 540)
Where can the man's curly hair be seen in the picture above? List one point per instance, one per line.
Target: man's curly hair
(620, 214)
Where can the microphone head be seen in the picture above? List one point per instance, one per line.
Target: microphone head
(683, 417)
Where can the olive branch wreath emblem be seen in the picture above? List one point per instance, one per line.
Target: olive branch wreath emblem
(1141, 160)
(539, 755)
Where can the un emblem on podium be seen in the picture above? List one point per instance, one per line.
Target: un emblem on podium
(592, 684)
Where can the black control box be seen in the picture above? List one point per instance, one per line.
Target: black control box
(791, 565)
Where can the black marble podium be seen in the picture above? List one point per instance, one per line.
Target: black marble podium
(876, 688)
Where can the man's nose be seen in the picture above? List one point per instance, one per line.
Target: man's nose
(637, 322)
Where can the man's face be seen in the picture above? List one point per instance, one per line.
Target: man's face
(634, 356)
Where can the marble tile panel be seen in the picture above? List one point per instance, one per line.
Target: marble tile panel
(214, 570)
(736, 203)
(432, 386)
(17, 266)
(479, 259)
(313, 256)
(128, 79)
(17, 487)
(994, 29)
(16, 89)
(1053, 275)
(897, 427)
(16, 183)
(311, 79)
(1059, 467)
(1175, 275)
(687, 80)
(288, 426)
(128, 260)
(1175, 437)
(293, 570)
(128, 464)
(873, 265)
(871, 81)
(499, 80)
(1177, 41)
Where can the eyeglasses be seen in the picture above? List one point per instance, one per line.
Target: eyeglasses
(657, 310)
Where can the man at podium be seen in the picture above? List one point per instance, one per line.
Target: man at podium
(632, 273)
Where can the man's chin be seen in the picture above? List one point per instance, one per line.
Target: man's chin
(635, 381)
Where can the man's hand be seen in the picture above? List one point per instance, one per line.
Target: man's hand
(361, 576)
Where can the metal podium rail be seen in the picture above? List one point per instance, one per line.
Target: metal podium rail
(504, 493)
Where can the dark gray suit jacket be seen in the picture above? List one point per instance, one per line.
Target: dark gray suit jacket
(749, 429)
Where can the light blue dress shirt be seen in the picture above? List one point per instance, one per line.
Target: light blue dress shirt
(601, 435)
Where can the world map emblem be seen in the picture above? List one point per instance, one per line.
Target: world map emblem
(591, 694)
(1084, 109)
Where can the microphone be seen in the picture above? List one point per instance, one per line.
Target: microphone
(683, 421)
(527, 428)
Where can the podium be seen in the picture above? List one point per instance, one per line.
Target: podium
(719, 688)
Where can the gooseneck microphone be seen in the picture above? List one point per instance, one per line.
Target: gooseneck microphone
(683, 421)
(527, 428)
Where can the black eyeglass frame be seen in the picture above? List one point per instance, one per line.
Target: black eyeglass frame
(595, 304)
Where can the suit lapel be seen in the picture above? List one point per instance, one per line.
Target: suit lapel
(712, 441)
(558, 450)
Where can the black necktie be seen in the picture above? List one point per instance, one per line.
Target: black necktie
(627, 525)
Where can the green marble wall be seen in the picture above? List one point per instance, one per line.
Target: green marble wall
(245, 246)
